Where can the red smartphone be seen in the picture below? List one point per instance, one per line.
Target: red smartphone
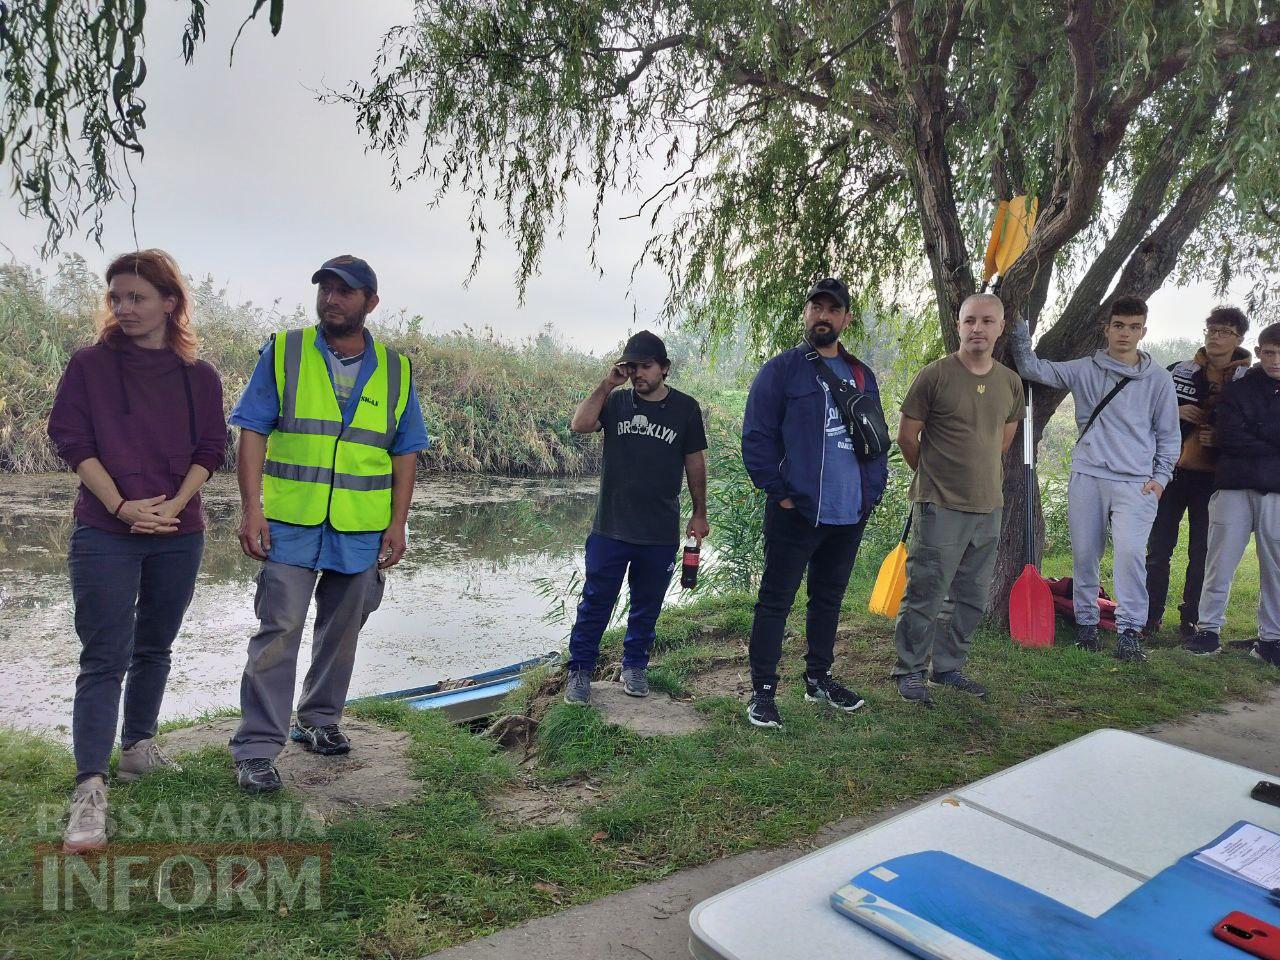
(1249, 934)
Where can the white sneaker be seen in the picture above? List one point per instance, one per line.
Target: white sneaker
(143, 757)
(87, 824)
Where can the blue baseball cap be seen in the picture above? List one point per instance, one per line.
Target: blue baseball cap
(351, 270)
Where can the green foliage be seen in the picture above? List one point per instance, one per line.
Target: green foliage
(489, 405)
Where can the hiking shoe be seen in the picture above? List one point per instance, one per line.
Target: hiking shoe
(826, 689)
(635, 682)
(87, 821)
(577, 689)
(1087, 637)
(328, 740)
(1129, 646)
(1268, 651)
(258, 775)
(143, 757)
(1204, 644)
(912, 689)
(958, 681)
(762, 711)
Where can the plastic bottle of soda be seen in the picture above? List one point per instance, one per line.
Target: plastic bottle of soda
(689, 565)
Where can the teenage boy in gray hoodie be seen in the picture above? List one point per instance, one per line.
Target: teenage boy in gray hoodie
(1122, 461)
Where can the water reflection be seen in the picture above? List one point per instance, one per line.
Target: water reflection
(462, 600)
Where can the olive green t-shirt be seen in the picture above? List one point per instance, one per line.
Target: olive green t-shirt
(964, 417)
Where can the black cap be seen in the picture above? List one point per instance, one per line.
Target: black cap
(832, 288)
(644, 346)
(353, 271)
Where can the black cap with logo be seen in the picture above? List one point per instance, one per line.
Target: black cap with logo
(832, 288)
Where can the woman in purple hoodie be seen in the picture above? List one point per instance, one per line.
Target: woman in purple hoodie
(139, 419)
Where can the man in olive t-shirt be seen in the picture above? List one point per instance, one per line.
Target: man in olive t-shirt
(958, 419)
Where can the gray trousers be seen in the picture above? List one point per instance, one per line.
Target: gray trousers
(343, 604)
(1235, 515)
(949, 564)
(1093, 505)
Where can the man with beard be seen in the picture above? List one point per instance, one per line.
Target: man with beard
(329, 433)
(653, 435)
(958, 418)
(797, 449)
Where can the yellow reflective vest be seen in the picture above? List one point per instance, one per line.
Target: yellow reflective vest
(315, 469)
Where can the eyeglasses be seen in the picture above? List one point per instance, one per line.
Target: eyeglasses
(1221, 332)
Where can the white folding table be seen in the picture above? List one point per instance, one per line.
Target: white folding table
(1086, 824)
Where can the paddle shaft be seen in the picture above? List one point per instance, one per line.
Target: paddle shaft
(907, 529)
(1028, 459)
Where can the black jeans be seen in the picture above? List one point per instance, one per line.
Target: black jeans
(130, 591)
(1188, 492)
(792, 544)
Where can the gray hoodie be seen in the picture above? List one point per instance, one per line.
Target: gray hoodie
(1136, 437)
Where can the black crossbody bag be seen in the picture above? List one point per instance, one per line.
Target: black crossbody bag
(1102, 405)
(859, 410)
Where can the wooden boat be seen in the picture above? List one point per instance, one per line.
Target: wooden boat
(471, 697)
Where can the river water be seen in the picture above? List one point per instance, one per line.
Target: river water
(465, 598)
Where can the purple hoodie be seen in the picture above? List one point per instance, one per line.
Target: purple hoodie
(147, 416)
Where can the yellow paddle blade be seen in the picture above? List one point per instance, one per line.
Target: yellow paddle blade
(891, 583)
(1010, 231)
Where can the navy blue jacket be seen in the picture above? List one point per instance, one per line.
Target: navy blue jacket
(784, 433)
(1247, 424)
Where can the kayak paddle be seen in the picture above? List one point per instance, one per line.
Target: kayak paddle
(891, 581)
(1030, 602)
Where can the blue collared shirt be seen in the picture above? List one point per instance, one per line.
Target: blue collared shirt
(322, 547)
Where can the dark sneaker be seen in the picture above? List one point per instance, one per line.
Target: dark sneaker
(1087, 637)
(1244, 645)
(1267, 651)
(258, 775)
(1129, 646)
(1151, 629)
(826, 689)
(328, 741)
(958, 681)
(635, 682)
(912, 689)
(1186, 631)
(577, 689)
(1204, 644)
(762, 711)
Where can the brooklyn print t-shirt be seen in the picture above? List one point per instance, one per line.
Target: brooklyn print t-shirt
(645, 444)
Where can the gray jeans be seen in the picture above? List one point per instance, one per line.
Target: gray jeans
(949, 564)
(343, 604)
(1093, 505)
(1234, 516)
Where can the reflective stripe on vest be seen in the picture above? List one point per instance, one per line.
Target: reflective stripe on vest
(315, 470)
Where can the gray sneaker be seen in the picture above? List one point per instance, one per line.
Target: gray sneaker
(577, 689)
(87, 823)
(635, 681)
(912, 689)
(143, 757)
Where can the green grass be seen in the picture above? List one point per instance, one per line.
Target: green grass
(441, 870)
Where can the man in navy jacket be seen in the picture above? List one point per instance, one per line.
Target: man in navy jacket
(797, 450)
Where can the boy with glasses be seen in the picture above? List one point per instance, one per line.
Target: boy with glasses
(1198, 383)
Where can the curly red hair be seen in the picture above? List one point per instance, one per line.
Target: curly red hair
(161, 271)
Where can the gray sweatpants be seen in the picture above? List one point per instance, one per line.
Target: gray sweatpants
(1234, 515)
(1093, 505)
(343, 604)
(949, 564)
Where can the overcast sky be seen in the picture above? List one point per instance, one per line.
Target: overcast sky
(251, 180)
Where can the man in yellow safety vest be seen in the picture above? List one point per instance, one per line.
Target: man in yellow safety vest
(329, 433)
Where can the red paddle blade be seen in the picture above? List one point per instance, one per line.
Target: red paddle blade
(1031, 610)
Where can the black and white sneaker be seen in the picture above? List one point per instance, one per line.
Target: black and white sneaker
(258, 775)
(1087, 637)
(958, 681)
(328, 741)
(912, 689)
(1268, 651)
(763, 711)
(826, 689)
(1204, 644)
(1129, 647)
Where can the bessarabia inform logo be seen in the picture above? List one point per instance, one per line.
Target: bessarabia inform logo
(188, 857)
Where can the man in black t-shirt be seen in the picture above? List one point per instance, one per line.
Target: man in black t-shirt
(653, 436)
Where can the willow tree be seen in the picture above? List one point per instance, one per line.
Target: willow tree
(768, 143)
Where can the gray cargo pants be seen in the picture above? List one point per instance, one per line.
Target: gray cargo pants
(343, 604)
(1235, 515)
(949, 564)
